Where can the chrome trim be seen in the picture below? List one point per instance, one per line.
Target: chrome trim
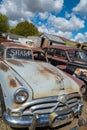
(43, 120)
(49, 104)
(19, 91)
(63, 112)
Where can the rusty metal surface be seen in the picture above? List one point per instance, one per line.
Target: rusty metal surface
(41, 80)
(15, 45)
(64, 47)
(3, 67)
(79, 82)
(39, 75)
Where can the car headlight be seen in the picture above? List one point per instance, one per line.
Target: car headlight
(83, 90)
(21, 95)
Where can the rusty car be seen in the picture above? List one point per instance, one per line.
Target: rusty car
(35, 94)
(82, 46)
(69, 59)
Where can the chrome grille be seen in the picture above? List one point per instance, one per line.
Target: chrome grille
(45, 105)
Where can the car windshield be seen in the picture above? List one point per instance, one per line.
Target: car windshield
(18, 53)
(77, 55)
(84, 48)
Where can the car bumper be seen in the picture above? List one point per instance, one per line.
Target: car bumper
(53, 120)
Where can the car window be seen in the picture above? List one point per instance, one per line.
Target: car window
(71, 53)
(84, 48)
(60, 53)
(78, 55)
(39, 56)
(18, 53)
(50, 51)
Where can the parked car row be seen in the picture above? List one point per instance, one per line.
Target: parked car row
(69, 59)
(34, 93)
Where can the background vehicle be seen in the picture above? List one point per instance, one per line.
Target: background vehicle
(69, 59)
(82, 47)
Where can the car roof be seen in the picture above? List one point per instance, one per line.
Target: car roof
(63, 47)
(17, 45)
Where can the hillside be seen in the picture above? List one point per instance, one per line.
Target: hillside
(69, 42)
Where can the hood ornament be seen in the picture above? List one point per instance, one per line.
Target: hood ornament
(62, 99)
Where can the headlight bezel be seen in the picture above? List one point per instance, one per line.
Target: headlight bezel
(21, 95)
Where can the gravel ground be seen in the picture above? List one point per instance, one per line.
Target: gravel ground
(3, 126)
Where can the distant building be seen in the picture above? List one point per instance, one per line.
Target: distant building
(35, 40)
(38, 41)
(49, 39)
(18, 38)
(30, 40)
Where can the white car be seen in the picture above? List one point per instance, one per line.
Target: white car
(35, 94)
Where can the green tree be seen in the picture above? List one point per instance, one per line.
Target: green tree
(25, 29)
(4, 26)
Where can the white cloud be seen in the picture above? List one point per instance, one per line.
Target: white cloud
(62, 24)
(44, 5)
(26, 9)
(13, 23)
(80, 37)
(43, 28)
(67, 15)
(51, 30)
(20, 10)
(15, 10)
(44, 15)
(67, 35)
(81, 8)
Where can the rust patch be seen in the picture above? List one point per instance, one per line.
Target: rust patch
(47, 71)
(3, 67)
(16, 106)
(79, 82)
(43, 72)
(15, 62)
(12, 82)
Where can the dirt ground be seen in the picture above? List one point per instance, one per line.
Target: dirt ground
(3, 126)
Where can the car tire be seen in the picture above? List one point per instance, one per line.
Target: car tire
(0, 110)
(2, 105)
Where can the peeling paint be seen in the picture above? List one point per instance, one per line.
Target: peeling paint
(12, 82)
(3, 67)
(15, 106)
(47, 71)
(15, 62)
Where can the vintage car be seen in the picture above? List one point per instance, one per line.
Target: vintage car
(72, 60)
(35, 94)
(82, 46)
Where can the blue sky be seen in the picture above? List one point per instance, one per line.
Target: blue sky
(67, 18)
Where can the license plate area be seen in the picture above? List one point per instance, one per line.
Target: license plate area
(56, 120)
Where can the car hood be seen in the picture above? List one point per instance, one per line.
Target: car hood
(43, 78)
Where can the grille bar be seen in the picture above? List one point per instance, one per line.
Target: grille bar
(44, 105)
